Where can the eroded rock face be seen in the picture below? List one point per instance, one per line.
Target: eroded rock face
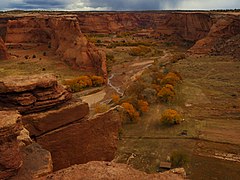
(3, 50)
(84, 140)
(37, 162)
(222, 38)
(189, 26)
(10, 158)
(64, 36)
(31, 93)
(108, 171)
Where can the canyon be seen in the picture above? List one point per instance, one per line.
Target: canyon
(48, 132)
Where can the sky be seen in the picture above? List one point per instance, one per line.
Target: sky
(110, 5)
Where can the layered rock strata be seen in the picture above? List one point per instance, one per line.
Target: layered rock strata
(10, 157)
(29, 94)
(188, 26)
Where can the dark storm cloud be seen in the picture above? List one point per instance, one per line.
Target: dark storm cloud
(131, 4)
(39, 4)
(119, 4)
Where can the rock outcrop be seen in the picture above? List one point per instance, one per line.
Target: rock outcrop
(83, 140)
(60, 125)
(188, 26)
(109, 171)
(62, 33)
(32, 93)
(10, 157)
(3, 50)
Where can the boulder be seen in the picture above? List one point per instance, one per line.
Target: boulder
(37, 162)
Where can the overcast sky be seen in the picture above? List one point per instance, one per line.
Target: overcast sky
(84, 5)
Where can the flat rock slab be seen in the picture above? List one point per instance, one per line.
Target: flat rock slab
(40, 123)
(26, 83)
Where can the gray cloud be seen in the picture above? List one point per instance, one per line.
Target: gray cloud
(118, 4)
(38, 4)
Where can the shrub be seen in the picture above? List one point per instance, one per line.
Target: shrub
(84, 81)
(115, 98)
(179, 159)
(143, 106)
(149, 94)
(110, 57)
(97, 80)
(100, 108)
(170, 117)
(134, 115)
(75, 87)
(81, 82)
(171, 78)
(34, 56)
(178, 57)
(139, 51)
(167, 93)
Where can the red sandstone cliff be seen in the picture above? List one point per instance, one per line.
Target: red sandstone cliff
(189, 26)
(222, 39)
(64, 36)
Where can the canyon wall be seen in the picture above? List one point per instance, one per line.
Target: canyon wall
(62, 33)
(188, 26)
(222, 39)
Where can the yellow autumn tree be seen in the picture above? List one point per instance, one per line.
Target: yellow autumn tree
(143, 106)
(171, 78)
(131, 111)
(97, 80)
(115, 98)
(167, 93)
(170, 117)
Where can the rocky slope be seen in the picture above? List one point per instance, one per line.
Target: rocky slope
(109, 171)
(62, 33)
(188, 26)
